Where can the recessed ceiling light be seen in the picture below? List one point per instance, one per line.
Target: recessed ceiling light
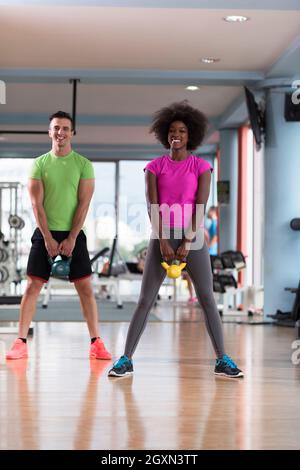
(236, 18)
(192, 88)
(209, 60)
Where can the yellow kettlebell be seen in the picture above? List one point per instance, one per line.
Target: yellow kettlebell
(173, 270)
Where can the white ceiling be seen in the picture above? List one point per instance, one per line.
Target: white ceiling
(167, 39)
(132, 60)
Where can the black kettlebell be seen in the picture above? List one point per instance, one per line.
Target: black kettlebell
(61, 267)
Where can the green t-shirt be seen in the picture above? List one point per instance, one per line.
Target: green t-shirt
(61, 177)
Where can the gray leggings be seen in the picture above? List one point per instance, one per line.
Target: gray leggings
(199, 269)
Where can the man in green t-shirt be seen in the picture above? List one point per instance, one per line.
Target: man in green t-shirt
(61, 186)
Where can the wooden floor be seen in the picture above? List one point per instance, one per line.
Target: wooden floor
(59, 399)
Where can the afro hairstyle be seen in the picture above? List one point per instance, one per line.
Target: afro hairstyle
(195, 121)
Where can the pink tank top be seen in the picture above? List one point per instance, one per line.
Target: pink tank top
(177, 186)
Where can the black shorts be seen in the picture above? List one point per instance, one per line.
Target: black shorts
(39, 267)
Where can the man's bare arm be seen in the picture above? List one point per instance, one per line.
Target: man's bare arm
(85, 193)
(36, 193)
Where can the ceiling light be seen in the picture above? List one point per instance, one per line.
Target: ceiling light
(209, 60)
(236, 18)
(192, 88)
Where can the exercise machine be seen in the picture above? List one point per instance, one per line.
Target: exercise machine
(291, 318)
(11, 223)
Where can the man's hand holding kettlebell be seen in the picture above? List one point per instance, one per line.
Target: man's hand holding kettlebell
(66, 247)
(52, 246)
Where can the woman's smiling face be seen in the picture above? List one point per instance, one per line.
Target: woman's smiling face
(178, 135)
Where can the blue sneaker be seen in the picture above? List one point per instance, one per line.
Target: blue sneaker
(227, 367)
(121, 367)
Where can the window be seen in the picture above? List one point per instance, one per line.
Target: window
(134, 224)
(100, 224)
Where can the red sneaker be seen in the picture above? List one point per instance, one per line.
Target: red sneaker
(98, 350)
(18, 350)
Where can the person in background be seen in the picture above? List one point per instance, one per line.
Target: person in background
(212, 230)
(186, 277)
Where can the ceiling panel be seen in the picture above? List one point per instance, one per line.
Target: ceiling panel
(161, 46)
(169, 38)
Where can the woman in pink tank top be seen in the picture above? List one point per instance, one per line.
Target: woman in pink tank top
(177, 190)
